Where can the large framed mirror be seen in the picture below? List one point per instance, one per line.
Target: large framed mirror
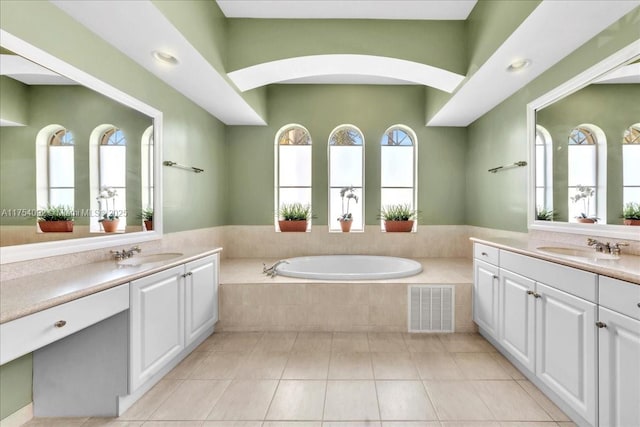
(584, 148)
(72, 147)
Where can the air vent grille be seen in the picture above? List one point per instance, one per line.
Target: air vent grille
(431, 308)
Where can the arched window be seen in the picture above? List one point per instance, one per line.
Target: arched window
(346, 171)
(630, 164)
(544, 170)
(146, 166)
(292, 167)
(398, 174)
(55, 167)
(587, 173)
(112, 163)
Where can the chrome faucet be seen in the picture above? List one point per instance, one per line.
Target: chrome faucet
(124, 254)
(612, 248)
(272, 271)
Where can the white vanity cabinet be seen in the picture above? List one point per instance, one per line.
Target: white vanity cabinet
(170, 311)
(485, 292)
(619, 353)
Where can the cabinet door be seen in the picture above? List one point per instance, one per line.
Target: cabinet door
(516, 317)
(566, 348)
(619, 368)
(157, 326)
(485, 296)
(201, 292)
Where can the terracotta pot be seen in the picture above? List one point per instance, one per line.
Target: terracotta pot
(398, 226)
(299, 226)
(631, 221)
(109, 225)
(56, 226)
(346, 226)
(586, 220)
(148, 225)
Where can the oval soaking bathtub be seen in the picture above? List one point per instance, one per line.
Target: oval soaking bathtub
(349, 267)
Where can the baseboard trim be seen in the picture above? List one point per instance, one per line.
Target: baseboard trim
(18, 418)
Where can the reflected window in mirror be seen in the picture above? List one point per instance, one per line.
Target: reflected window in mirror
(346, 177)
(397, 168)
(55, 175)
(544, 174)
(587, 174)
(146, 163)
(293, 163)
(631, 164)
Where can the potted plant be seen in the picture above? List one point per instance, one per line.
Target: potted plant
(585, 194)
(631, 214)
(147, 217)
(398, 218)
(346, 219)
(544, 214)
(294, 217)
(56, 219)
(110, 218)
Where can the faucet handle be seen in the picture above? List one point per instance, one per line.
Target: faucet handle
(591, 242)
(614, 248)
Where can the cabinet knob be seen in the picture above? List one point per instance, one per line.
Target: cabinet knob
(530, 292)
(60, 323)
(484, 254)
(495, 277)
(187, 274)
(537, 295)
(601, 325)
(639, 305)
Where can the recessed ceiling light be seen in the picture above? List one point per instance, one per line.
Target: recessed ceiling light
(519, 64)
(164, 57)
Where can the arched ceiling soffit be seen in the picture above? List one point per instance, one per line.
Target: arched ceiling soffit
(342, 68)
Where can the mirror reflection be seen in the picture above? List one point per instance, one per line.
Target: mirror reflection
(587, 153)
(69, 153)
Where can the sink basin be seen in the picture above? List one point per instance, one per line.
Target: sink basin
(149, 259)
(575, 252)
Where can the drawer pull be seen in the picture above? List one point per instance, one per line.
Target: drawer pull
(60, 323)
(496, 277)
(187, 274)
(601, 325)
(484, 254)
(530, 292)
(536, 295)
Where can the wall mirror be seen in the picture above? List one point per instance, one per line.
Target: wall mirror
(584, 140)
(72, 142)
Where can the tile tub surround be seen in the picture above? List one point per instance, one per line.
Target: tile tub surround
(320, 379)
(250, 301)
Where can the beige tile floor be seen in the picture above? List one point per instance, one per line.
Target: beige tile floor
(289, 379)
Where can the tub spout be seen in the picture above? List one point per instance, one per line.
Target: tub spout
(272, 271)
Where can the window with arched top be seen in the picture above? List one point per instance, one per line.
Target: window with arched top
(398, 172)
(292, 168)
(112, 164)
(146, 167)
(55, 171)
(544, 170)
(630, 162)
(346, 177)
(587, 174)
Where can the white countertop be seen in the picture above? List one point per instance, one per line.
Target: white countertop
(30, 294)
(626, 267)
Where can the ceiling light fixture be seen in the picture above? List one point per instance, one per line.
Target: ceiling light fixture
(164, 57)
(519, 64)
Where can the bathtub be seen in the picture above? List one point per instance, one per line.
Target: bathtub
(349, 267)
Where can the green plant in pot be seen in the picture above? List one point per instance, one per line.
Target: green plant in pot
(56, 219)
(585, 194)
(631, 214)
(398, 217)
(147, 217)
(544, 214)
(346, 219)
(294, 217)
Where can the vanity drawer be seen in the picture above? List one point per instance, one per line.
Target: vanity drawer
(620, 296)
(486, 253)
(26, 334)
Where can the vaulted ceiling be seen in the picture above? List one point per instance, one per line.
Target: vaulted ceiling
(548, 34)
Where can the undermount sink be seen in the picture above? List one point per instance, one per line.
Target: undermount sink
(575, 252)
(149, 259)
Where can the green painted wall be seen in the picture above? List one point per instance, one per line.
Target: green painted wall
(613, 108)
(320, 109)
(500, 136)
(15, 385)
(14, 105)
(79, 110)
(191, 135)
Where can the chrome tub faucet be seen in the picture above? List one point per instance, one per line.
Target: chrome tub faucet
(272, 271)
